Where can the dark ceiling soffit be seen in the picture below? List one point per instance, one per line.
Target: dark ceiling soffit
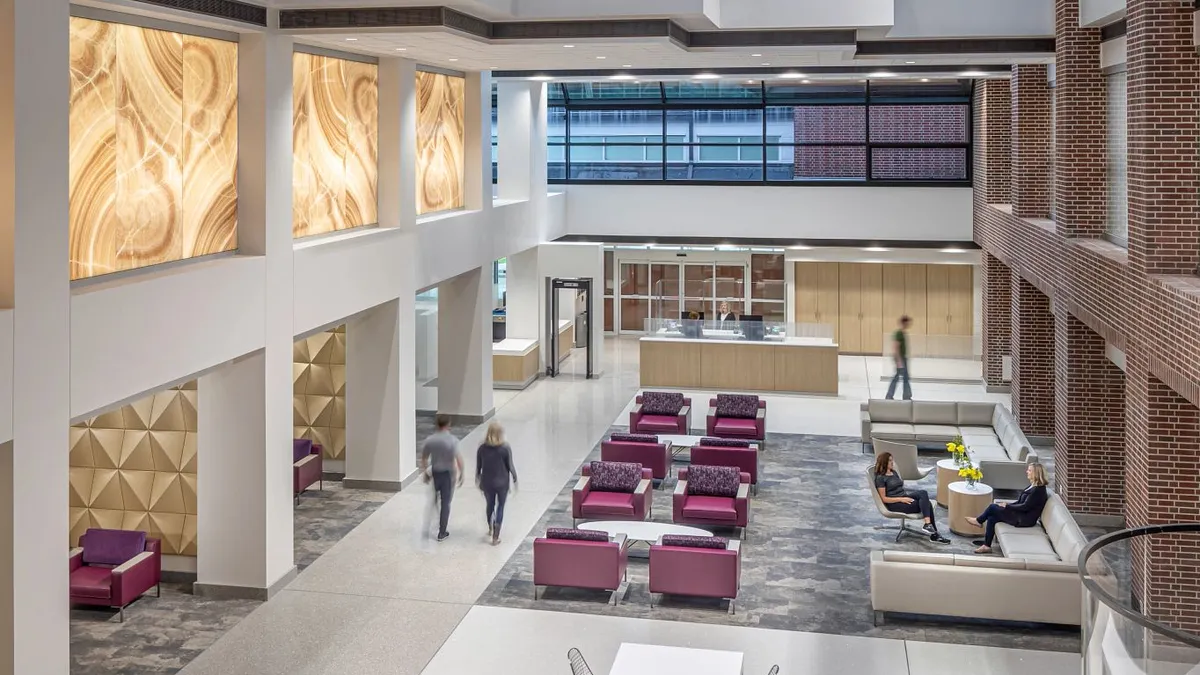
(764, 241)
(1114, 30)
(241, 12)
(940, 47)
(773, 38)
(684, 72)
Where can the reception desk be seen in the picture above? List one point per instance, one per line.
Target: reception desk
(514, 363)
(791, 365)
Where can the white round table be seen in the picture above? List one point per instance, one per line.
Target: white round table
(967, 501)
(642, 531)
(947, 473)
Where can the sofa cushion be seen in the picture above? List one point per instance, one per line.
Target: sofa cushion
(301, 448)
(1069, 543)
(658, 423)
(935, 412)
(890, 431)
(692, 541)
(713, 481)
(111, 547)
(934, 432)
(575, 534)
(883, 410)
(991, 562)
(699, 507)
(92, 582)
(740, 406)
(978, 432)
(991, 453)
(634, 438)
(1019, 542)
(1039, 565)
(918, 557)
(1055, 516)
(724, 442)
(608, 504)
(730, 426)
(615, 476)
(975, 414)
(662, 403)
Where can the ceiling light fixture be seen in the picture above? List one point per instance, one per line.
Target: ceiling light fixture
(541, 78)
(800, 247)
(972, 73)
(876, 249)
(881, 73)
(621, 77)
(749, 81)
(910, 62)
(351, 39)
(756, 55)
(602, 57)
(791, 76)
(453, 59)
(401, 49)
(766, 64)
(952, 249)
(924, 79)
(568, 46)
(707, 76)
(627, 65)
(806, 81)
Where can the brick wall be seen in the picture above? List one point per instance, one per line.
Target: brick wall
(996, 293)
(1030, 142)
(1032, 359)
(1080, 118)
(831, 124)
(830, 161)
(993, 129)
(918, 124)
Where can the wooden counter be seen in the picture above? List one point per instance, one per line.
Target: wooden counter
(566, 338)
(514, 363)
(794, 365)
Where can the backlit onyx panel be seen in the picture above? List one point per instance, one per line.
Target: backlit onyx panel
(335, 109)
(153, 143)
(441, 166)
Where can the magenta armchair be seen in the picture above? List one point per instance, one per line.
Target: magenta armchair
(612, 491)
(112, 568)
(737, 416)
(708, 567)
(580, 559)
(307, 466)
(712, 495)
(741, 454)
(661, 412)
(638, 449)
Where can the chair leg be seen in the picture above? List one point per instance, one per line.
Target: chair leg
(731, 610)
(158, 590)
(878, 617)
(121, 614)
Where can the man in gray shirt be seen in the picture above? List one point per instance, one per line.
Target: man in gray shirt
(441, 462)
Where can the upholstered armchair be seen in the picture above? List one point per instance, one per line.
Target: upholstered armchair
(612, 491)
(737, 416)
(661, 412)
(112, 568)
(307, 466)
(638, 449)
(741, 454)
(708, 567)
(712, 495)
(580, 559)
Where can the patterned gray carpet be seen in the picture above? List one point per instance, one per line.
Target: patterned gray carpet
(804, 564)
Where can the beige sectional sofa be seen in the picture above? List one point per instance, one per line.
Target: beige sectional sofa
(994, 441)
(1036, 579)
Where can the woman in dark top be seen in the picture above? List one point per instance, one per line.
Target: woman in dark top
(897, 498)
(1022, 513)
(493, 466)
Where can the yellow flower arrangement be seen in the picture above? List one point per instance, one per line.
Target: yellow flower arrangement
(957, 450)
(971, 473)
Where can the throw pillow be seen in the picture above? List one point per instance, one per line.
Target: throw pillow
(742, 406)
(615, 476)
(662, 403)
(578, 535)
(713, 481)
(724, 442)
(301, 448)
(692, 541)
(111, 547)
(634, 438)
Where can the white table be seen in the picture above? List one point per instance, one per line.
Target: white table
(680, 443)
(967, 500)
(642, 531)
(639, 659)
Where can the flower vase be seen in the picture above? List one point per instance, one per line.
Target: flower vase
(971, 483)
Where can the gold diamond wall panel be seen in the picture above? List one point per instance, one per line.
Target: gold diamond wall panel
(134, 468)
(153, 147)
(441, 142)
(319, 390)
(335, 110)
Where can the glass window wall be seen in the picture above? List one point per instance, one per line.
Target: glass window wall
(1117, 227)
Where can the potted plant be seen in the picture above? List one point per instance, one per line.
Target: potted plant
(972, 475)
(958, 451)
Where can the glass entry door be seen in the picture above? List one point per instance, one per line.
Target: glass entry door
(665, 290)
(635, 296)
(707, 285)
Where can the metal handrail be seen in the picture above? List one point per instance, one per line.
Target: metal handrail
(1183, 637)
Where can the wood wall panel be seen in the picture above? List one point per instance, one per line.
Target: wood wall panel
(441, 142)
(937, 299)
(153, 147)
(915, 300)
(872, 309)
(319, 390)
(850, 308)
(961, 300)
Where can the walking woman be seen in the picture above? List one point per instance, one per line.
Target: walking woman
(493, 466)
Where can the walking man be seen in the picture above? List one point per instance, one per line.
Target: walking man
(900, 356)
(442, 463)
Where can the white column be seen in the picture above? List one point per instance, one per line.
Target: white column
(465, 346)
(397, 143)
(245, 474)
(514, 142)
(34, 280)
(478, 140)
(525, 290)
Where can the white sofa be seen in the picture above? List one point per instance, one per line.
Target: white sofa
(994, 441)
(1035, 580)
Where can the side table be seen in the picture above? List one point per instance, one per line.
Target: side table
(947, 473)
(967, 501)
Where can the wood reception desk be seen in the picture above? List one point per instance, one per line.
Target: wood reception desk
(791, 365)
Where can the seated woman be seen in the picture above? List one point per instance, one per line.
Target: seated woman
(897, 498)
(1022, 513)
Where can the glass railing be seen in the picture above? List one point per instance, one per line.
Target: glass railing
(737, 329)
(1140, 613)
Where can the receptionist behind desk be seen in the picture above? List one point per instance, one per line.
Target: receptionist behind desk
(726, 319)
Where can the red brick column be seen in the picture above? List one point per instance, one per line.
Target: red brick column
(993, 127)
(1032, 359)
(996, 291)
(1164, 137)
(1031, 101)
(1079, 98)
(1089, 420)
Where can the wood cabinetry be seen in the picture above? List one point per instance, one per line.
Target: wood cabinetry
(862, 301)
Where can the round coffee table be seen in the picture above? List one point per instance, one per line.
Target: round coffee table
(967, 502)
(947, 473)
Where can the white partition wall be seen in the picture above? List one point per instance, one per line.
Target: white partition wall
(465, 346)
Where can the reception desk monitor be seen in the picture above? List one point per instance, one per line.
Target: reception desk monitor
(691, 324)
(752, 327)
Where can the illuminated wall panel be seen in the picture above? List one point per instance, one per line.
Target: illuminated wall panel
(335, 110)
(153, 141)
(441, 142)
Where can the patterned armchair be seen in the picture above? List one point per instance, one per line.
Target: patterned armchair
(579, 559)
(735, 452)
(737, 416)
(612, 491)
(708, 567)
(638, 449)
(307, 466)
(112, 568)
(712, 495)
(661, 412)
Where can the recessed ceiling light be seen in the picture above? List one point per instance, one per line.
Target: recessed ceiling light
(875, 249)
(568, 46)
(351, 39)
(541, 78)
(952, 249)
(766, 64)
(621, 77)
(401, 49)
(800, 247)
(749, 81)
(924, 79)
(707, 76)
(881, 73)
(627, 65)
(910, 62)
(973, 73)
(602, 57)
(453, 59)
(756, 55)
(792, 76)
(806, 81)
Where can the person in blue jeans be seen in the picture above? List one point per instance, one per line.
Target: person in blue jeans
(1024, 512)
(900, 356)
(493, 466)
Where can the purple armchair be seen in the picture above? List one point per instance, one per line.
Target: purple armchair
(638, 449)
(580, 559)
(661, 412)
(612, 491)
(708, 567)
(712, 495)
(307, 466)
(112, 568)
(734, 452)
(737, 416)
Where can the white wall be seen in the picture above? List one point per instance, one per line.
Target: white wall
(1100, 12)
(871, 213)
(934, 19)
(342, 276)
(733, 14)
(572, 260)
